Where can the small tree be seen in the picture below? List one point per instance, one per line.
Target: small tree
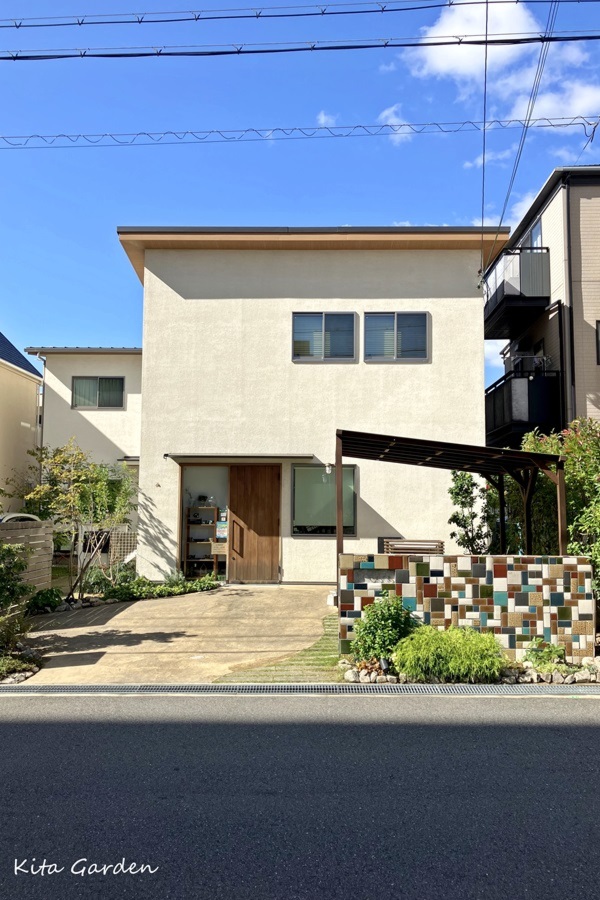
(85, 500)
(470, 518)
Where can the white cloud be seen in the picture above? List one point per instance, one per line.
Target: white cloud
(572, 98)
(384, 68)
(491, 156)
(466, 63)
(325, 120)
(404, 224)
(487, 220)
(519, 208)
(492, 353)
(391, 116)
(569, 156)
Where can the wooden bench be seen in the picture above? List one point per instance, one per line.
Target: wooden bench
(405, 546)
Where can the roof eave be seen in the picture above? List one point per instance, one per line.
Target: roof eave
(136, 240)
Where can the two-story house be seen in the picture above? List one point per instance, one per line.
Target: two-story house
(543, 298)
(257, 344)
(20, 384)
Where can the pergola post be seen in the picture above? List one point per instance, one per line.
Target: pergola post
(502, 505)
(527, 492)
(561, 499)
(339, 500)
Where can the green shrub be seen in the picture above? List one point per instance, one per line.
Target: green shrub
(175, 579)
(543, 655)
(458, 654)
(11, 664)
(13, 562)
(13, 590)
(12, 628)
(49, 597)
(143, 589)
(383, 624)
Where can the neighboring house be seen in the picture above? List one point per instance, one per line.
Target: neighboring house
(258, 343)
(94, 395)
(543, 298)
(19, 414)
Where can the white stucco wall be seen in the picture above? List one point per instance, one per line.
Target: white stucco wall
(219, 379)
(18, 424)
(106, 434)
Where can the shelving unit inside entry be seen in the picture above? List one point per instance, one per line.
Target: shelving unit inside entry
(204, 520)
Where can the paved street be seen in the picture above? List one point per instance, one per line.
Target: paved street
(277, 798)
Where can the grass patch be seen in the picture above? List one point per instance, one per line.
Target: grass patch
(317, 663)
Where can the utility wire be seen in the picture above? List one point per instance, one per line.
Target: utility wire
(256, 13)
(484, 131)
(154, 138)
(298, 47)
(552, 13)
(588, 142)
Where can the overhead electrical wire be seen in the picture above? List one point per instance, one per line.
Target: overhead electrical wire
(484, 132)
(243, 49)
(319, 132)
(552, 14)
(256, 13)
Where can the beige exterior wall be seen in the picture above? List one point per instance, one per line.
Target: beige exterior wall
(585, 267)
(106, 434)
(18, 424)
(219, 379)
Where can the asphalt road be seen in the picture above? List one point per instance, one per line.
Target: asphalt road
(278, 798)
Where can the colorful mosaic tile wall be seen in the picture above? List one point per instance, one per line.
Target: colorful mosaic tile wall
(516, 597)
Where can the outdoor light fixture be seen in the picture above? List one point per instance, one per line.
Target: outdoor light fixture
(384, 665)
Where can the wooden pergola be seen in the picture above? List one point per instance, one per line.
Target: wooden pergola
(492, 463)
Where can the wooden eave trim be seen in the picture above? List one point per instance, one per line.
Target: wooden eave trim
(135, 244)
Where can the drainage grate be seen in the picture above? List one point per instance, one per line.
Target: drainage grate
(261, 689)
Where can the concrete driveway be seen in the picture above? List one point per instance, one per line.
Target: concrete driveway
(179, 640)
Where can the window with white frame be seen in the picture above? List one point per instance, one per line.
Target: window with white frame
(533, 238)
(98, 392)
(314, 500)
(323, 336)
(396, 337)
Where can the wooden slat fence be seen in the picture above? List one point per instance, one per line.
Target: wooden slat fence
(37, 537)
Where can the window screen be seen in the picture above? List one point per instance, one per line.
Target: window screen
(313, 502)
(323, 336)
(390, 336)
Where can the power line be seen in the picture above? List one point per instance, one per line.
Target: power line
(552, 13)
(298, 47)
(484, 130)
(256, 13)
(320, 132)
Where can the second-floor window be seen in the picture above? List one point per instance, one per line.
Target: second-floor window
(323, 336)
(98, 392)
(396, 336)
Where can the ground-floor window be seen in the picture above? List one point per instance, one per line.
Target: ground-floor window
(313, 500)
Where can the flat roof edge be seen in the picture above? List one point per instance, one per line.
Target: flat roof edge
(33, 351)
(341, 229)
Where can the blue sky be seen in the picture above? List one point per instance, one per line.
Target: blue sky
(65, 279)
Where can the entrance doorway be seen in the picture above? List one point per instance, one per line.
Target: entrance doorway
(254, 503)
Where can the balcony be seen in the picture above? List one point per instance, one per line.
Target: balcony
(517, 291)
(519, 402)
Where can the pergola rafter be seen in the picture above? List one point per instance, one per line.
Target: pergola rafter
(492, 463)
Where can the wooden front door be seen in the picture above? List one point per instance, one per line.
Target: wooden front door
(254, 500)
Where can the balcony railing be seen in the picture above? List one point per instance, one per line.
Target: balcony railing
(516, 290)
(519, 402)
